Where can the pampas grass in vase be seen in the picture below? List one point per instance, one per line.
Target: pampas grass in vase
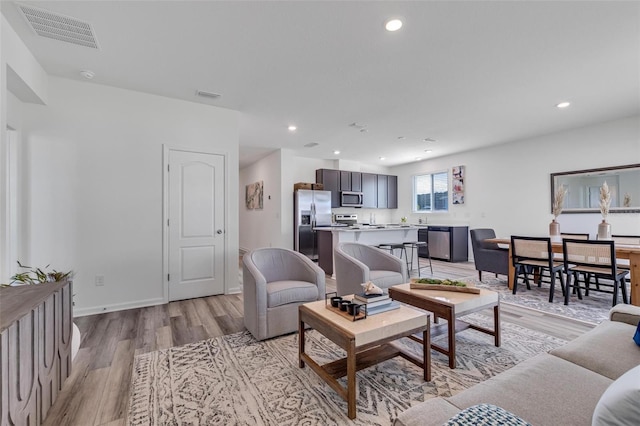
(558, 201)
(604, 229)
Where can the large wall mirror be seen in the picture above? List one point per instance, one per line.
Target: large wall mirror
(583, 189)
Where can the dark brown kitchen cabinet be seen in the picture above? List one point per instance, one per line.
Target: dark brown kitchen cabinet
(392, 192)
(369, 190)
(350, 181)
(356, 181)
(383, 191)
(345, 181)
(331, 181)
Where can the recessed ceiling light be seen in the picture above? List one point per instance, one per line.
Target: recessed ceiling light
(292, 128)
(87, 74)
(418, 158)
(393, 25)
(428, 151)
(336, 152)
(382, 158)
(563, 104)
(428, 140)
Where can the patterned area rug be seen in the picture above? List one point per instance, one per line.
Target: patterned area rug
(236, 380)
(593, 308)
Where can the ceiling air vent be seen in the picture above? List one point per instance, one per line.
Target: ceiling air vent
(59, 27)
(206, 94)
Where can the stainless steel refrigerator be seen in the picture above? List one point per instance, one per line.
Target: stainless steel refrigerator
(312, 209)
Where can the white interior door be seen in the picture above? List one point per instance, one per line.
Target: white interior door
(195, 224)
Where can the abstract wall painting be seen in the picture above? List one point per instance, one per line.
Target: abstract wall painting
(254, 195)
(457, 180)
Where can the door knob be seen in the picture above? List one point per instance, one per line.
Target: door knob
(219, 231)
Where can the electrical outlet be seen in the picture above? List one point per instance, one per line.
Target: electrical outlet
(99, 280)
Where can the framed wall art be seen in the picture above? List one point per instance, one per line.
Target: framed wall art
(254, 195)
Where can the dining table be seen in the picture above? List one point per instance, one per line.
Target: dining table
(623, 251)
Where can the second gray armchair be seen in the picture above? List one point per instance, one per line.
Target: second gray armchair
(358, 263)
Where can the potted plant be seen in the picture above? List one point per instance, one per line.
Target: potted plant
(604, 228)
(35, 276)
(558, 201)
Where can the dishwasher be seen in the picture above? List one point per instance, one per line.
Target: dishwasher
(448, 243)
(439, 239)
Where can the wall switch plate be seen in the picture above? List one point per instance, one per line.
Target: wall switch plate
(99, 280)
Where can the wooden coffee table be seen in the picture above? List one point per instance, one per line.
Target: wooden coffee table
(367, 342)
(450, 306)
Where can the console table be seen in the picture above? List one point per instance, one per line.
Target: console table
(35, 349)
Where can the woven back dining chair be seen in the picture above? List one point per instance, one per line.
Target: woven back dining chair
(533, 254)
(593, 258)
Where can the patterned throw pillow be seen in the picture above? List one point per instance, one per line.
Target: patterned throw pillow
(485, 415)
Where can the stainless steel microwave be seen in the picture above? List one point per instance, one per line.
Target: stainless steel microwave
(351, 199)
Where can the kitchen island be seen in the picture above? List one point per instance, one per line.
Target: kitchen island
(329, 237)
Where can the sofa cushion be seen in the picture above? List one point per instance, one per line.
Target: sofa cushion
(608, 349)
(544, 390)
(437, 410)
(284, 292)
(619, 405)
(485, 415)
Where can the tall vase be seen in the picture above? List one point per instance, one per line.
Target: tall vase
(604, 230)
(554, 229)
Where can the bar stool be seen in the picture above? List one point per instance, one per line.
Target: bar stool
(415, 248)
(395, 246)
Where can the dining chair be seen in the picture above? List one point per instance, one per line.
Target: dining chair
(632, 240)
(534, 253)
(488, 257)
(593, 258)
(574, 235)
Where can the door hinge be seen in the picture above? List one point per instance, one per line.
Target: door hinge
(168, 277)
(167, 167)
(167, 222)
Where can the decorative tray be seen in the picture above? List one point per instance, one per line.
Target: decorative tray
(417, 285)
(362, 314)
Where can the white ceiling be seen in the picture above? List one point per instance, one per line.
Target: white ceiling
(466, 74)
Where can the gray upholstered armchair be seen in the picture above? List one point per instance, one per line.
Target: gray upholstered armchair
(488, 257)
(358, 263)
(275, 282)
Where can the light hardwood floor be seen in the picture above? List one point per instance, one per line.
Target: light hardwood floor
(97, 392)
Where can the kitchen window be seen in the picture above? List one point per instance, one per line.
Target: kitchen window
(431, 192)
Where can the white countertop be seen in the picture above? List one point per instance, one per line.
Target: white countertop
(373, 228)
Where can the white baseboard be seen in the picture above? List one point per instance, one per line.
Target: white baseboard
(81, 312)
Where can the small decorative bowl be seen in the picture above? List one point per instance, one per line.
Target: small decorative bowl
(344, 304)
(335, 301)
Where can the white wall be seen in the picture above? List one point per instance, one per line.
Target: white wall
(507, 187)
(95, 189)
(20, 72)
(261, 228)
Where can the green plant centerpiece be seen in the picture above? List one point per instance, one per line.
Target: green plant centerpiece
(440, 282)
(442, 285)
(33, 276)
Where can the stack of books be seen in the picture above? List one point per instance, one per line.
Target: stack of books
(376, 303)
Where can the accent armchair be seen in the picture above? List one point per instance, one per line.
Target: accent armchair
(488, 257)
(275, 282)
(359, 263)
